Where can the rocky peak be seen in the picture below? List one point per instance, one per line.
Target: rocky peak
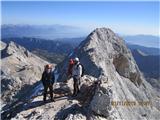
(106, 58)
(17, 50)
(102, 50)
(20, 69)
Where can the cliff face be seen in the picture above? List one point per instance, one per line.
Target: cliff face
(105, 50)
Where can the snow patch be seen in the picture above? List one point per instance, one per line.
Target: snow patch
(37, 90)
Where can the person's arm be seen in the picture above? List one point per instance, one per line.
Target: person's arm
(79, 71)
(43, 77)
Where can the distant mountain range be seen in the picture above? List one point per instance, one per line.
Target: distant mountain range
(146, 50)
(61, 46)
(143, 40)
(42, 31)
(148, 64)
(52, 32)
(147, 59)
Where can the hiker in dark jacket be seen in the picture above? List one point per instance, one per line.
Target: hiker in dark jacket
(76, 73)
(48, 80)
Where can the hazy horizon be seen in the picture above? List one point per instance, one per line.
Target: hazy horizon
(81, 28)
(126, 18)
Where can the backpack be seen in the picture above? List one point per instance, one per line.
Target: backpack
(83, 70)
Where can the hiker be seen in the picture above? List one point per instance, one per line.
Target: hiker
(76, 74)
(70, 67)
(48, 80)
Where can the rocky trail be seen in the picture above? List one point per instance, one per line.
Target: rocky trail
(64, 107)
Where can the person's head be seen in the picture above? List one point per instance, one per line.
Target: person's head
(48, 68)
(71, 61)
(76, 60)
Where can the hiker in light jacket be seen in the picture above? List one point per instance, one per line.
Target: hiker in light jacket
(76, 74)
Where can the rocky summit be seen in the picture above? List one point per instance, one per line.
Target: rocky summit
(123, 92)
(112, 88)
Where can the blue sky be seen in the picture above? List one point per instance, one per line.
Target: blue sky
(122, 17)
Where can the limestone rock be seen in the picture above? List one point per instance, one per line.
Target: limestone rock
(76, 117)
(20, 69)
(123, 93)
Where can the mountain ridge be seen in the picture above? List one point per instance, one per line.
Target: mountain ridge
(107, 59)
(41, 31)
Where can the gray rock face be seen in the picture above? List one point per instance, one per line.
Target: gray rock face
(76, 117)
(124, 93)
(103, 49)
(19, 70)
(98, 101)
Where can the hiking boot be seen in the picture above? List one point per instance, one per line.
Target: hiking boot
(53, 100)
(44, 100)
(74, 95)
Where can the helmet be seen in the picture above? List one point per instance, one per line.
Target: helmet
(76, 59)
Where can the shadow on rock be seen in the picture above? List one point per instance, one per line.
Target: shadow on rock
(73, 109)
